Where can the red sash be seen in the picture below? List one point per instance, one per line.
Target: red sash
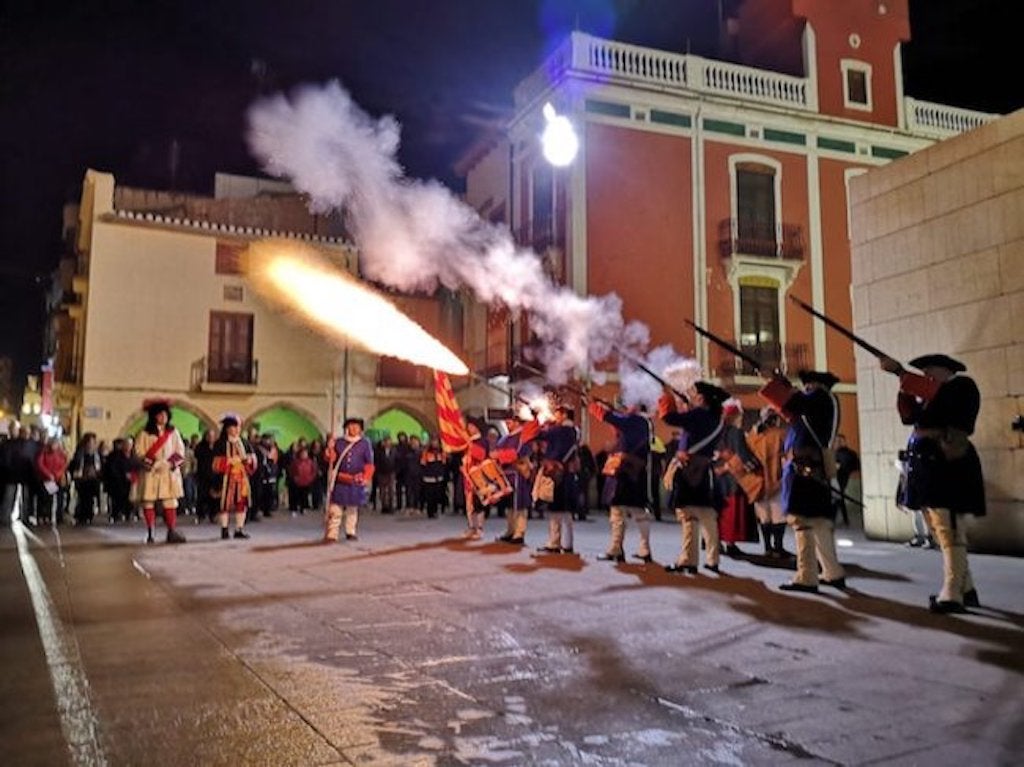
(160, 442)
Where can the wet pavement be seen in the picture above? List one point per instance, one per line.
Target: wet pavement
(412, 646)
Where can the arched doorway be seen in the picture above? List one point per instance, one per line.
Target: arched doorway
(392, 421)
(184, 418)
(286, 423)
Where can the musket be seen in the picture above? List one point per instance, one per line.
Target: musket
(869, 348)
(757, 369)
(574, 389)
(508, 393)
(667, 386)
(726, 345)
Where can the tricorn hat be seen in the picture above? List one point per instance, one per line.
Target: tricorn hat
(230, 419)
(570, 413)
(713, 395)
(353, 419)
(823, 377)
(156, 405)
(938, 361)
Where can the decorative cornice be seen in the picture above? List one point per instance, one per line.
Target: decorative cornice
(213, 227)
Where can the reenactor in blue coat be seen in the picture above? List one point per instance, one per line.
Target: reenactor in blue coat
(554, 484)
(626, 481)
(942, 472)
(695, 493)
(808, 472)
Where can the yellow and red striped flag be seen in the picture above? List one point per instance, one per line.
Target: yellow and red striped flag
(450, 423)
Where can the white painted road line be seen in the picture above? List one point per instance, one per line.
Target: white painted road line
(70, 686)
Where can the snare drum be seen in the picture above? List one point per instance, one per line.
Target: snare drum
(489, 482)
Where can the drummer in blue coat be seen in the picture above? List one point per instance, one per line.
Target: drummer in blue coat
(807, 474)
(513, 451)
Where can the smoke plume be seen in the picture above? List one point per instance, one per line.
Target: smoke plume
(414, 235)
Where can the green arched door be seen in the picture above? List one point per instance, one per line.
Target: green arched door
(286, 424)
(390, 422)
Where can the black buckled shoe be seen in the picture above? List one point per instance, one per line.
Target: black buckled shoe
(713, 568)
(645, 558)
(549, 549)
(224, 535)
(836, 583)
(516, 541)
(241, 534)
(971, 598)
(688, 569)
(173, 536)
(569, 550)
(801, 587)
(944, 606)
(611, 557)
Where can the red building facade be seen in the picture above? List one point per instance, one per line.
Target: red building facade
(711, 190)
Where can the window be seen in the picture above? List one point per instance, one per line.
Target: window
(230, 351)
(543, 206)
(397, 373)
(759, 325)
(755, 210)
(856, 84)
(229, 258)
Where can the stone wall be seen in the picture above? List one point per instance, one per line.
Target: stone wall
(938, 266)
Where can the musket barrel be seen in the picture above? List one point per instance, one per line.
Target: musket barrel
(755, 364)
(869, 348)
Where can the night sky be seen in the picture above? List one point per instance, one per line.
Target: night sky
(115, 84)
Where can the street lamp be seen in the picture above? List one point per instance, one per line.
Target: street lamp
(559, 140)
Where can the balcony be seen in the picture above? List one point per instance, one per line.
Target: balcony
(758, 239)
(941, 121)
(231, 376)
(609, 61)
(788, 358)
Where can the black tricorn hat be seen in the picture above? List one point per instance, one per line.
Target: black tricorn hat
(823, 377)
(938, 361)
(713, 395)
(154, 406)
(230, 419)
(353, 419)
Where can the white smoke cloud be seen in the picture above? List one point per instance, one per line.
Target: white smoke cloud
(413, 235)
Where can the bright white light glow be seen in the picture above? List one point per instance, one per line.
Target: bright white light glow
(844, 543)
(299, 279)
(559, 139)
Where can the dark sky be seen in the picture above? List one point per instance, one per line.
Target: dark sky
(112, 84)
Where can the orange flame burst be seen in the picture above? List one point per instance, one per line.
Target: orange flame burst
(324, 296)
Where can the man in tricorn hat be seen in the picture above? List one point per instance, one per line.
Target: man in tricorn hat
(235, 461)
(626, 482)
(943, 473)
(553, 488)
(513, 453)
(807, 474)
(351, 460)
(695, 495)
(161, 451)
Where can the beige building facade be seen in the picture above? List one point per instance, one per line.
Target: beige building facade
(938, 266)
(162, 309)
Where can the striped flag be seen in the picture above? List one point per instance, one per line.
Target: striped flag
(454, 437)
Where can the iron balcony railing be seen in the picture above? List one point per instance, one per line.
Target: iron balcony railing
(788, 358)
(762, 239)
(242, 372)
